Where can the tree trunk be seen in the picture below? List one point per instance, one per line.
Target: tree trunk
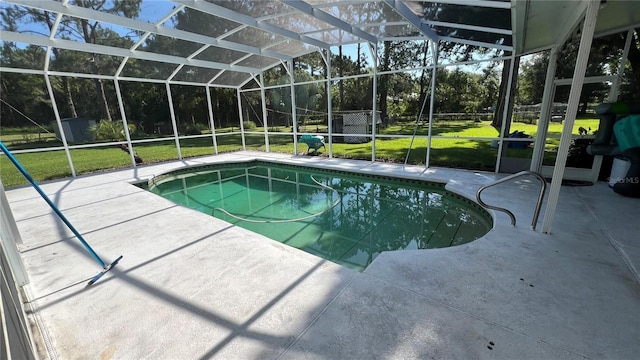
(498, 116)
(102, 97)
(89, 34)
(383, 84)
(383, 93)
(634, 56)
(65, 85)
(67, 89)
(341, 82)
(423, 78)
(215, 103)
(136, 158)
(358, 89)
(583, 108)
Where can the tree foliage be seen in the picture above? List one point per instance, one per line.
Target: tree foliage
(603, 60)
(459, 89)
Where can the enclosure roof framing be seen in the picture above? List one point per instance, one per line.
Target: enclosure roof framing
(220, 11)
(483, 3)
(319, 14)
(114, 51)
(413, 18)
(138, 25)
(204, 41)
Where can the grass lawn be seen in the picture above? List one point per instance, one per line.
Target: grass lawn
(460, 153)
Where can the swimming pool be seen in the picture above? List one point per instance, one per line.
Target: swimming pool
(344, 217)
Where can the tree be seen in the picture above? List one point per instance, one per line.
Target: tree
(89, 31)
(532, 78)
(398, 55)
(503, 101)
(603, 60)
(457, 91)
(114, 131)
(23, 95)
(479, 16)
(77, 28)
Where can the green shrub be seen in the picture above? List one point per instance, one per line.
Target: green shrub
(110, 130)
(249, 125)
(192, 130)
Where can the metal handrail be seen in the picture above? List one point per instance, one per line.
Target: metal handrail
(536, 213)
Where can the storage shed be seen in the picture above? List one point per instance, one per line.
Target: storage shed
(76, 130)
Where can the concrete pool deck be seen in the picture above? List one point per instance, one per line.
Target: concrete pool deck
(191, 286)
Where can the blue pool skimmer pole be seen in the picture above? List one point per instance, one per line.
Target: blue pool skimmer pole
(105, 267)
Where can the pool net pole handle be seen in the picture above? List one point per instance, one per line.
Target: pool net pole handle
(51, 204)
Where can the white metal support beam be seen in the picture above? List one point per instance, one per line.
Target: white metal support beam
(175, 72)
(587, 80)
(249, 79)
(9, 245)
(572, 108)
(216, 76)
(505, 113)
(435, 48)
(468, 27)
(123, 115)
(229, 14)
(59, 122)
(114, 51)
(373, 48)
(402, 38)
(263, 103)
(138, 25)
(145, 36)
(54, 28)
(401, 8)
(173, 120)
(211, 120)
(294, 113)
(480, 3)
(477, 43)
(194, 54)
(123, 63)
(545, 112)
(622, 63)
(327, 59)
(241, 117)
(571, 24)
(330, 19)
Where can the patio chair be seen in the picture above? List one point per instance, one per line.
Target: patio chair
(314, 142)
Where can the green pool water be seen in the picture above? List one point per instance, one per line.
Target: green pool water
(343, 217)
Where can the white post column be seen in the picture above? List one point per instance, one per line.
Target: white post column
(294, 114)
(545, 112)
(173, 120)
(10, 237)
(505, 112)
(373, 48)
(615, 87)
(56, 113)
(434, 50)
(241, 116)
(123, 114)
(212, 123)
(572, 108)
(264, 113)
(329, 103)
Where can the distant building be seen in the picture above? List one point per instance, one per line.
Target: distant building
(76, 130)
